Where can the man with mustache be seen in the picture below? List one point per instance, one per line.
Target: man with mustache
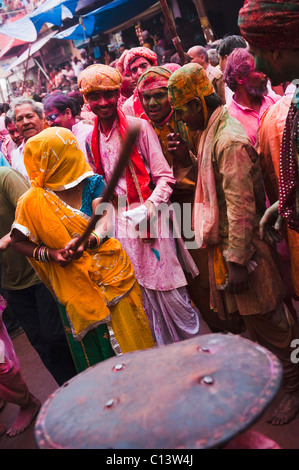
(134, 62)
(250, 99)
(229, 202)
(28, 116)
(271, 29)
(146, 184)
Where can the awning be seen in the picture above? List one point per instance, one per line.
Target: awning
(106, 18)
(7, 42)
(51, 11)
(7, 45)
(32, 49)
(144, 16)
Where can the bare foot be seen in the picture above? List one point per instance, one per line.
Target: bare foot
(287, 409)
(25, 417)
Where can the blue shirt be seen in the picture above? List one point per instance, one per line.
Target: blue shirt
(3, 161)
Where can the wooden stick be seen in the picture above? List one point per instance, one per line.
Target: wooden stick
(172, 29)
(204, 21)
(25, 71)
(109, 191)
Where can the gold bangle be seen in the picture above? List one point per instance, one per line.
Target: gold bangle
(34, 252)
(97, 239)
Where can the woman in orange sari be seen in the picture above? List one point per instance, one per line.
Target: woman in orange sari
(98, 295)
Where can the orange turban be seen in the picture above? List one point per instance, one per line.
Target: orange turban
(99, 77)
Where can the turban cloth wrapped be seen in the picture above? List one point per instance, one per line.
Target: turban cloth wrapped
(99, 77)
(172, 66)
(153, 77)
(187, 83)
(136, 52)
(270, 24)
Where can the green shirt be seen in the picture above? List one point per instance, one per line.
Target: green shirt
(17, 273)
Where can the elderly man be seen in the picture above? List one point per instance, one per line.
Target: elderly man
(229, 202)
(272, 30)
(60, 111)
(134, 62)
(154, 257)
(28, 116)
(199, 55)
(250, 100)
(176, 140)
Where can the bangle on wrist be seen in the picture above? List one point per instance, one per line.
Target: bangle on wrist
(35, 251)
(98, 240)
(90, 241)
(41, 253)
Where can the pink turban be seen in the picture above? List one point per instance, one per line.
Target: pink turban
(172, 66)
(153, 77)
(135, 53)
(270, 24)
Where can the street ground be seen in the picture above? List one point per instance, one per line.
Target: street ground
(42, 384)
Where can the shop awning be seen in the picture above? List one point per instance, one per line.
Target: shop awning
(36, 46)
(143, 16)
(106, 18)
(8, 44)
(51, 11)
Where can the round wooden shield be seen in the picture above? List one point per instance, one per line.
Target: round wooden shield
(196, 394)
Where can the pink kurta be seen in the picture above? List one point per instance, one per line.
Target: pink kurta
(249, 118)
(157, 267)
(159, 257)
(81, 132)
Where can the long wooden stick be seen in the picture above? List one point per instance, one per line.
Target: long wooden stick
(25, 71)
(109, 191)
(204, 21)
(172, 29)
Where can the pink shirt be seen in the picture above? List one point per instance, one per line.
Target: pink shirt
(156, 265)
(249, 118)
(149, 148)
(81, 131)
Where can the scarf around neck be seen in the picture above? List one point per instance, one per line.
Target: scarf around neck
(137, 177)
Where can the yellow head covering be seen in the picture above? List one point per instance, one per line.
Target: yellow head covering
(188, 82)
(87, 286)
(54, 160)
(99, 77)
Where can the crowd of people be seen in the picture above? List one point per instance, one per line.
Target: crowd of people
(203, 222)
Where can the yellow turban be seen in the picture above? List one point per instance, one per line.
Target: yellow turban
(187, 83)
(99, 77)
